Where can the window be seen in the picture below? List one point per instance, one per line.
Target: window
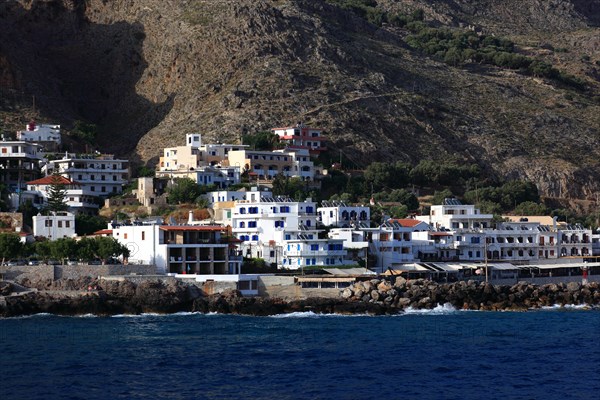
(92, 188)
(92, 177)
(251, 224)
(114, 177)
(67, 224)
(255, 237)
(79, 177)
(242, 224)
(103, 189)
(59, 224)
(288, 237)
(124, 236)
(48, 223)
(278, 224)
(103, 177)
(314, 247)
(143, 235)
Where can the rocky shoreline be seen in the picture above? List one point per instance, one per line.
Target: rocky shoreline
(375, 297)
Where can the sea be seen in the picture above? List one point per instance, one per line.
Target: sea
(443, 353)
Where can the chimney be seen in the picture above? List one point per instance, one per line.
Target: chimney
(191, 217)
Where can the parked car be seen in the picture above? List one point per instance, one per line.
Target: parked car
(72, 262)
(95, 262)
(14, 263)
(33, 262)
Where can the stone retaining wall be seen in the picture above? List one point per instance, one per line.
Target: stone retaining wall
(41, 272)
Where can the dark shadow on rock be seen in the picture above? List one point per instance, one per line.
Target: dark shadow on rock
(589, 9)
(81, 70)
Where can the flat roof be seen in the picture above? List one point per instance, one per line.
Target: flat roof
(192, 228)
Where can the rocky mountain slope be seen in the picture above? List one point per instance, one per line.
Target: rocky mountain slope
(149, 71)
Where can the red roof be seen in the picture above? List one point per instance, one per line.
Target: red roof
(407, 222)
(192, 228)
(104, 232)
(51, 179)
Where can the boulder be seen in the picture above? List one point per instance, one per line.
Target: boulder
(400, 282)
(384, 286)
(573, 286)
(346, 293)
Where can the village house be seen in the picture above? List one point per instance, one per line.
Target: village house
(48, 136)
(180, 249)
(55, 226)
(302, 137)
(263, 166)
(284, 232)
(101, 175)
(19, 163)
(340, 214)
(79, 200)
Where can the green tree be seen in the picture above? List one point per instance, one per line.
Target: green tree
(439, 196)
(107, 247)
(379, 175)
(43, 249)
(398, 211)
(86, 248)
(63, 248)
(56, 194)
(85, 131)
(262, 141)
(530, 208)
(88, 224)
(10, 246)
(184, 190)
(28, 210)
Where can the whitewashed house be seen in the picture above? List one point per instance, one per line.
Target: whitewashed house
(180, 249)
(340, 214)
(284, 232)
(56, 226)
(47, 135)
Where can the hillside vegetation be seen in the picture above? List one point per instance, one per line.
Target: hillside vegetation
(509, 87)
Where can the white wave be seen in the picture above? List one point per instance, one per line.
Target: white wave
(568, 307)
(312, 314)
(440, 309)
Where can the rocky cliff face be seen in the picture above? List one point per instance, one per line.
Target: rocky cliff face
(150, 71)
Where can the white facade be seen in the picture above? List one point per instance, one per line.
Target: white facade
(453, 215)
(179, 249)
(77, 198)
(390, 244)
(56, 226)
(40, 133)
(206, 175)
(284, 232)
(334, 213)
(19, 163)
(100, 175)
(236, 195)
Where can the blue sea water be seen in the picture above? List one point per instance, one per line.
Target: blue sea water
(440, 354)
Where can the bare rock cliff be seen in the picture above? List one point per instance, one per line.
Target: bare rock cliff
(150, 71)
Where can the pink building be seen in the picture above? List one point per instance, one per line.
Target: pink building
(302, 137)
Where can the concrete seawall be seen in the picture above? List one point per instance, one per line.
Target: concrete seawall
(41, 272)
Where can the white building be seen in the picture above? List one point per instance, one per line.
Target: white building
(56, 226)
(100, 175)
(43, 134)
(284, 232)
(390, 244)
(180, 249)
(220, 176)
(77, 198)
(265, 165)
(302, 137)
(236, 195)
(340, 214)
(453, 215)
(19, 163)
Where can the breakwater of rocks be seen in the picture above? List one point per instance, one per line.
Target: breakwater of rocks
(376, 296)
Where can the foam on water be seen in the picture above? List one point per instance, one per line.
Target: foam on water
(440, 309)
(567, 307)
(311, 314)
